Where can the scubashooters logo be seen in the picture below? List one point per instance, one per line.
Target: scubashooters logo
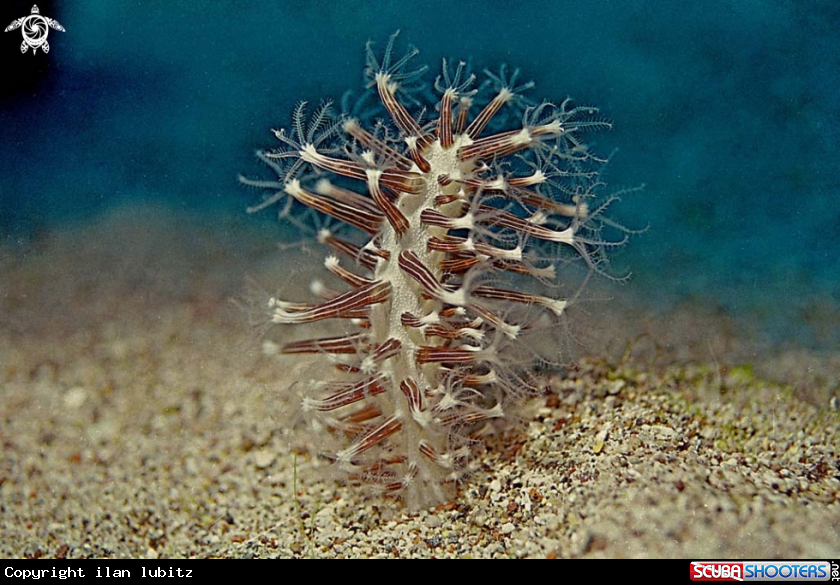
(760, 571)
(35, 29)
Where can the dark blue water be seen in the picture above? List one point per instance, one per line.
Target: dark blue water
(727, 111)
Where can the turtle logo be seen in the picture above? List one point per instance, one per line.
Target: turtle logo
(35, 28)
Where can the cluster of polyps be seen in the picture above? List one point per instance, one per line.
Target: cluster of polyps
(448, 213)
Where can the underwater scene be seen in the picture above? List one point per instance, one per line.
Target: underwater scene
(420, 279)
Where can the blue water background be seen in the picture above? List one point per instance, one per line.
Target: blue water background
(727, 112)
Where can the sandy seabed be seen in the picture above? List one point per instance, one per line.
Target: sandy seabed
(141, 416)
